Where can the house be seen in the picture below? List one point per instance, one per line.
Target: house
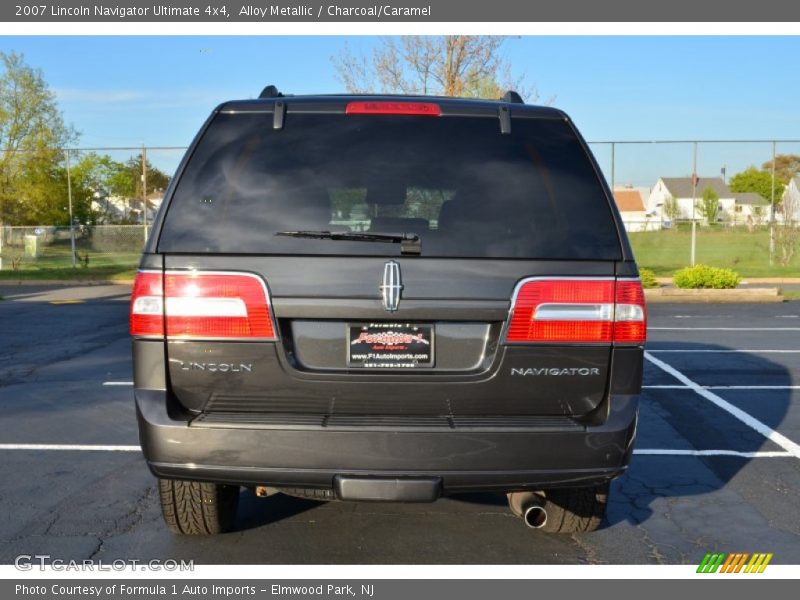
(688, 198)
(110, 209)
(154, 201)
(631, 206)
(790, 202)
(749, 209)
(116, 209)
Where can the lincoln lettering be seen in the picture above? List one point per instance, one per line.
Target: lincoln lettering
(555, 371)
(217, 367)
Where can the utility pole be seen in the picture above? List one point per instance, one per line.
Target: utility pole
(71, 219)
(694, 203)
(144, 191)
(772, 211)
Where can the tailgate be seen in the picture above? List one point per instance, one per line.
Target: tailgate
(321, 305)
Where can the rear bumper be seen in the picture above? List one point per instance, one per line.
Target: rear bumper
(471, 458)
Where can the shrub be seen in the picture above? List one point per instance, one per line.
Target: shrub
(648, 278)
(703, 276)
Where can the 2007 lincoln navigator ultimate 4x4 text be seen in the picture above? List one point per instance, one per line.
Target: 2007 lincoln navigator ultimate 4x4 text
(387, 298)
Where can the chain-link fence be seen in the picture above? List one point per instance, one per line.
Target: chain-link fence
(733, 203)
(111, 248)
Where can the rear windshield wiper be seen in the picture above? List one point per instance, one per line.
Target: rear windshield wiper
(410, 243)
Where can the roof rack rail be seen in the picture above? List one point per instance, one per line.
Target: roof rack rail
(513, 97)
(270, 92)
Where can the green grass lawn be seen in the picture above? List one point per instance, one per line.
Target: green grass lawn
(55, 262)
(747, 253)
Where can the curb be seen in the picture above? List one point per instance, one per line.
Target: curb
(772, 280)
(752, 295)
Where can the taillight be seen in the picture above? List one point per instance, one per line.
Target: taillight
(205, 305)
(630, 315)
(147, 305)
(383, 107)
(578, 311)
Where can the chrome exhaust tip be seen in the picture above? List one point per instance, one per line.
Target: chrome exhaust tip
(535, 516)
(530, 507)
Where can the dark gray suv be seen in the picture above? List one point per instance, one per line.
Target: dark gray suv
(387, 298)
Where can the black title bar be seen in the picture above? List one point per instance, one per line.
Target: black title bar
(266, 11)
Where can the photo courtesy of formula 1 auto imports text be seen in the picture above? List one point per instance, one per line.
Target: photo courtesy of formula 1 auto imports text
(325, 300)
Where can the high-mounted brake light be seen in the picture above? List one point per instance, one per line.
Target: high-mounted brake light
(201, 305)
(383, 107)
(578, 311)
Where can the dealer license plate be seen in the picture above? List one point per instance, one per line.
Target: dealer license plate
(390, 345)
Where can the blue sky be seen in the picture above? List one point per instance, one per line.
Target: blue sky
(158, 90)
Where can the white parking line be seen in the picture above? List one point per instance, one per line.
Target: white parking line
(726, 316)
(117, 383)
(85, 447)
(666, 387)
(715, 351)
(747, 419)
(752, 387)
(723, 387)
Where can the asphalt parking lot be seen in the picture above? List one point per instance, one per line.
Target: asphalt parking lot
(717, 465)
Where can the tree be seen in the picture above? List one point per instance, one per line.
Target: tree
(123, 180)
(671, 208)
(99, 177)
(156, 179)
(786, 166)
(760, 182)
(709, 205)
(37, 193)
(96, 178)
(452, 65)
(787, 233)
(32, 133)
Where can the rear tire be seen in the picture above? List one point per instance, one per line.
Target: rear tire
(198, 508)
(575, 510)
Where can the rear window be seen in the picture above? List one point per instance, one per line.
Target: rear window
(463, 187)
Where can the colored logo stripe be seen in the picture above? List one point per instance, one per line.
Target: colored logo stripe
(727, 566)
(738, 563)
(711, 563)
(758, 563)
(735, 562)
